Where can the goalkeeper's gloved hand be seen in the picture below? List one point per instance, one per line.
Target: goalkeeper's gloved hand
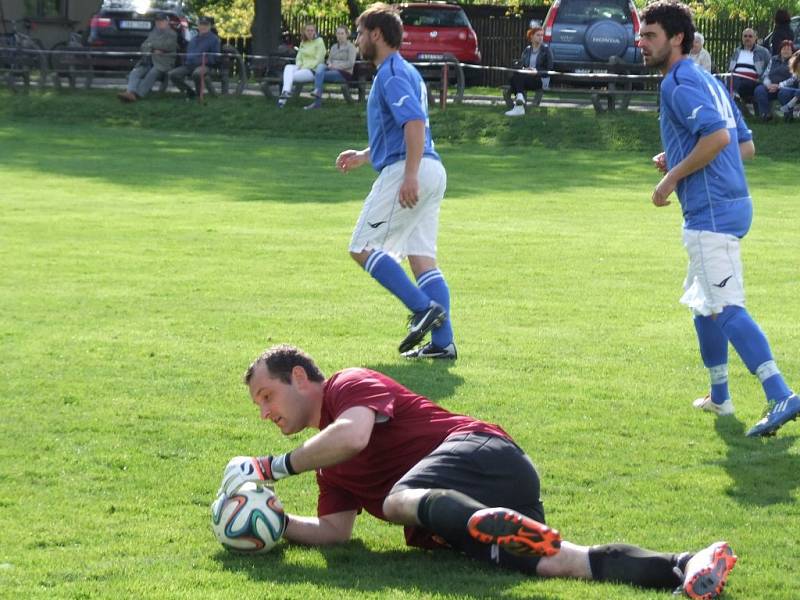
(241, 469)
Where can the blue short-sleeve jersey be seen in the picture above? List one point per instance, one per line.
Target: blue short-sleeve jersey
(398, 95)
(695, 104)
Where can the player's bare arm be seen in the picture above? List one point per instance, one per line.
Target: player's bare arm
(341, 440)
(352, 159)
(747, 150)
(707, 148)
(336, 528)
(414, 135)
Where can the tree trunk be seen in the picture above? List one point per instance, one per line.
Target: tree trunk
(266, 27)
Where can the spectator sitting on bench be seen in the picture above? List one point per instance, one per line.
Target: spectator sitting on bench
(536, 57)
(747, 65)
(789, 92)
(777, 74)
(700, 55)
(310, 55)
(205, 42)
(338, 68)
(161, 43)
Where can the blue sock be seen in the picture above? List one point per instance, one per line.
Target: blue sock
(392, 276)
(752, 345)
(714, 351)
(434, 285)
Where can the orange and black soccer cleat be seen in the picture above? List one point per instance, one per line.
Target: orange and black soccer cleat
(514, 532)
(708, 570)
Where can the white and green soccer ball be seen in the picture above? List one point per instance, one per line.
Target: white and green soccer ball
(251, 520)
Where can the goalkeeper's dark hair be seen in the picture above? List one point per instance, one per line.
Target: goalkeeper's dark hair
(280, 360)
(385, 18)
(674, 18)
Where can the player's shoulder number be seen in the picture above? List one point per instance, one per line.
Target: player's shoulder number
(723, 104)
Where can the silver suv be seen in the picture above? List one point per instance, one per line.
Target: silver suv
(583, 33)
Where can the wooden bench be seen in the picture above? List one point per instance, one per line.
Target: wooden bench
(608, 91)
(273, 80)
(603, 99)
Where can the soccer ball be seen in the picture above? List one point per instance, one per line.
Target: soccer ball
(250, 521)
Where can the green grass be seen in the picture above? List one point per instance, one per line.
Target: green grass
(147, 258)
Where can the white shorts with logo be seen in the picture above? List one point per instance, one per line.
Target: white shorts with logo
(714, 278)
(384, 225)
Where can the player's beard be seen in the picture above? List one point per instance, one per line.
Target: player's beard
(367, 50)
(659, 57)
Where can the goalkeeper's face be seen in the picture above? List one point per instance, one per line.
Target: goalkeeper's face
(288, 405)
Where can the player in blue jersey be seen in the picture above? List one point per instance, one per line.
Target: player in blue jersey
(400, 217)
(705, 140)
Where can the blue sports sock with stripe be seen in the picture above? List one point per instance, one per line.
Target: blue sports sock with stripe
(714, 351)
(392, 276)
(752, 345)
(434, 285)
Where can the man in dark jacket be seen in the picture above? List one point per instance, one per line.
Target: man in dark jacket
(206, 42)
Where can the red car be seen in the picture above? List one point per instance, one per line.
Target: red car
(434, 31)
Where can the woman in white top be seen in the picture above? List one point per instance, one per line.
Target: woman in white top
(699, 54)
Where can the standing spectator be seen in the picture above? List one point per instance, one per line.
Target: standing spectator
(700, 55)
(789, 90)
(747, 65)
(206, 42)
(338, 68)
(161, 44)
(310, 55)
(777, 73)
(536, 57)
(782, 30)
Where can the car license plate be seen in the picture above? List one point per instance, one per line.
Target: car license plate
(424, 56)
(135, 25)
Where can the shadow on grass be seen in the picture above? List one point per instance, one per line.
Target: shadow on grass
(246, 151)
(353, 567)
(246, 168)
(430, 379)
(762, 470)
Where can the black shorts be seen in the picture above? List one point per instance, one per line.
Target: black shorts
(492, 470)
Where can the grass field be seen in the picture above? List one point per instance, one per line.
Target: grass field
(146, 260)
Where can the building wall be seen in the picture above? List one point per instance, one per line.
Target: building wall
(50, 20)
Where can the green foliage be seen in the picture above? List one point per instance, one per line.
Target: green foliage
(755, 10)
(313, 8)
(232, 17)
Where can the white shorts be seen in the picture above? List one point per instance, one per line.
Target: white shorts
(714, 278)
(384, 225)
